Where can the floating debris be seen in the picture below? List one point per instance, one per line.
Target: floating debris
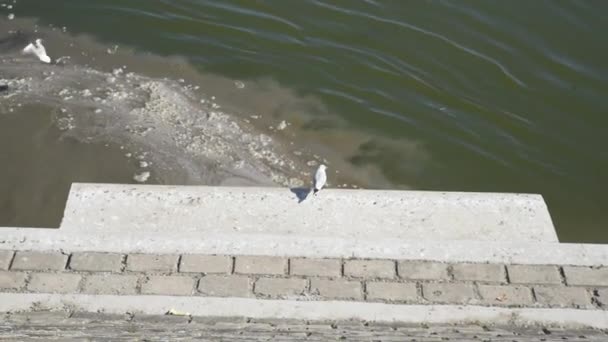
(282, 125)
(142, 177)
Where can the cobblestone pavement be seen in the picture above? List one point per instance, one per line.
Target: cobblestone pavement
(52, 326)
(389, 281)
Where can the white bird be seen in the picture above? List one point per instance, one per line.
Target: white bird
(320, 179)
(38, 50)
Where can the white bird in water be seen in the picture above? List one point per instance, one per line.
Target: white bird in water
(38, 50)
(320, 179)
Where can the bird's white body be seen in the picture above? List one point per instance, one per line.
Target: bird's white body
(38, 50)
(320, 179)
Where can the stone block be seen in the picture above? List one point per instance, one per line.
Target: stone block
(369, 268)
(534, 274)
(225, 286)
(508, 295)
(336, 289)
(449, 293)
(480, 272)
(586, 276)
(39, 261)
(260, 265)
(12, 280)
(392, 291)
(152, 262)
(96, 262)
(280, 287)
(423, 270)
(115, 284)
(168, 285)
(5, 259)
(315, 267)
(54, 282)
(562, 296)
(196, 263)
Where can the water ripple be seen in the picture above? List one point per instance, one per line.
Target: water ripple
(404, 24)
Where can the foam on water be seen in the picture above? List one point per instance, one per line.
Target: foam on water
(184, 134)
(188, 126)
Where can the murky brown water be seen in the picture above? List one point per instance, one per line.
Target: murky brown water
(41, 164)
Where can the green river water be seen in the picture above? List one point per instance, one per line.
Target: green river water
(497, 96)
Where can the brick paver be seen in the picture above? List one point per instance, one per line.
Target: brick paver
(96, 262)
(506, 295)
(369, 268)
(5, 259)
(392, 291)
(225, 286)
(561, 296)
(39, 261)
(276, 287)
(12, 280)
(534, 274)
(602, 297)
(260, 265)
(316, 267)
(168, 285)
(421, 270)
(152, 262)
(105, 283)
(336, 289)
(479, 272)
(449, 293)
(54, 282)
(205, 263)
(586, 276)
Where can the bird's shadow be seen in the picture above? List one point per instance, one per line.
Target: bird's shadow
(301, 193)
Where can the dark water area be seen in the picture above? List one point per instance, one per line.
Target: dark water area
(429, 95)
(41, 168)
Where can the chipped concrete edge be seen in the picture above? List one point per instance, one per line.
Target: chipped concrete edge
(305, 310)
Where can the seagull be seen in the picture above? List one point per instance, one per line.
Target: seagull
(38, 50)
(320, 179)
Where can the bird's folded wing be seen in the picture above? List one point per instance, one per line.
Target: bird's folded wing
(30, 48)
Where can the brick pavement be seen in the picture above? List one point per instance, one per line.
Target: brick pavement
(388, 281)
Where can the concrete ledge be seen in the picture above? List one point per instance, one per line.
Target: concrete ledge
(509, 252)
(334, 213)
(334, 310)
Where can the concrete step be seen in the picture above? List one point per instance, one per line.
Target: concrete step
(236, 243)
(333, 213)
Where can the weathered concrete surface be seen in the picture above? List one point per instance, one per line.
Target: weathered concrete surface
(303, 310)
(268, 271)
(271, 222)
(44, 325)
(510, 252)
(350, 214)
